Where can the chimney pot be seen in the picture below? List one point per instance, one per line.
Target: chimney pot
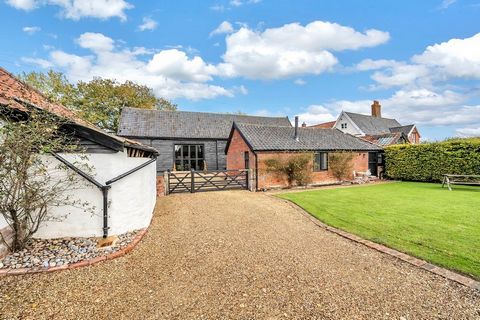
(376, 109)
(304, 125)
(296, 128)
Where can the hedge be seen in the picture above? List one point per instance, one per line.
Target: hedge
(430, 161)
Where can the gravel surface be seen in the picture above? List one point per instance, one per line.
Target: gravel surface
(238, 255)
(44, 253)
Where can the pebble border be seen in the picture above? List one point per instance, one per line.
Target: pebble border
(83, 263)
(422, 264)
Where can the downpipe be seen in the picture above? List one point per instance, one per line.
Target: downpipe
(103, 188)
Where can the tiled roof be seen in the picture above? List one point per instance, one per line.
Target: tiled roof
(386, 139)
(263, 138)
(14, 94)
(403, 129)
(325, 125)
(181, 124)
(373, 125)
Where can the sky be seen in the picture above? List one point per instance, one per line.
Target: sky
(311, 58)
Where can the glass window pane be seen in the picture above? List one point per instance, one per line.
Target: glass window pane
(200, 165)
(186, 165)
(200, 152)
(178, 151)
(193, 152)
(324, 161)
(185, 151)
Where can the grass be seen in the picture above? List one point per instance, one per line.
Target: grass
(420, 219)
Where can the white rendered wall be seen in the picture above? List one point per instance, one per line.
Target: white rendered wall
(350, 126)
(131, 200)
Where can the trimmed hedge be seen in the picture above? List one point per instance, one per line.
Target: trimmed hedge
(430, 161)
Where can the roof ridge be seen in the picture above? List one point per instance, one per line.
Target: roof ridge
(207, 113)
(370, 116)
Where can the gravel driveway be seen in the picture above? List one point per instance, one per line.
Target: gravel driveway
(238, 255)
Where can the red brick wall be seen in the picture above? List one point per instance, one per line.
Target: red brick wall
(414, 137)
(236, 153)
(267, 180)
(160, 186)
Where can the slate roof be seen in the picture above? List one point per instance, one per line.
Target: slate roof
(373, 125)
(403, 129)
(17, 95)
(268, 138)
(182, 124)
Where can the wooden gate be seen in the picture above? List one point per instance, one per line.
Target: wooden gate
(196, 181)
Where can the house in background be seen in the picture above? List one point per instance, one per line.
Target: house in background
(374, 128)
(250, 145)
(187, 140)
(121, 186)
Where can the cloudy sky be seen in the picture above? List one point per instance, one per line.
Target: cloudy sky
(310, 58)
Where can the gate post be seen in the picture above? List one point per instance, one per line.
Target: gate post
(192, 181)
(166, 182)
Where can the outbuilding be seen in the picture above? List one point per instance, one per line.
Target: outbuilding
(121, 186)
(250, 146)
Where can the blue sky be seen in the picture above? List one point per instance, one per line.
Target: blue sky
(421, 59)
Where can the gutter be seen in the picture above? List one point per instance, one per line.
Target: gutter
(103, 188)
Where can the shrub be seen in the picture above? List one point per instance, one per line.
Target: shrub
(296, 169)
(340, 164)
(430, 161)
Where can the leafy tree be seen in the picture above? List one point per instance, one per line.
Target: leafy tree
(99, 101)
(54, 85)
(30, 184)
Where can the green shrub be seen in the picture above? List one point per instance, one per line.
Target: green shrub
(296, 169)
(430, 161)
(340, 164)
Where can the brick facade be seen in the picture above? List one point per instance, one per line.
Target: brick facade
(268, 180)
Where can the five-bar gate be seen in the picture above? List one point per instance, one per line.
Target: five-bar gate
(195, 181)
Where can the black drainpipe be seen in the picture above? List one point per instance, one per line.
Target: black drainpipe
(103, 188)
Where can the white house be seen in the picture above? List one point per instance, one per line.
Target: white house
(122, 185)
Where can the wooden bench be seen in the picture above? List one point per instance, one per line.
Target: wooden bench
(450, 179)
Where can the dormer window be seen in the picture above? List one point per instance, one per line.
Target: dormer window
(344, 125)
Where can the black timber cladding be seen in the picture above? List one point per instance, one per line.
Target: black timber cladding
(163, 130)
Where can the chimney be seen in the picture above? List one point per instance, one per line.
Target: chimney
(296, 128)
(376, 109)
(304, 125)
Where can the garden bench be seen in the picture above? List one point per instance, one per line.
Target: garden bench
(450, 179)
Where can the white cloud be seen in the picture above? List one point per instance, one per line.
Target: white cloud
(148, 24)
(455, 58)
(300, 82)
(23, 4)
(238, 3)
(77, 9)
(446, 3)
(316, 114)
(170, 73)
(469, 132)
(31, 30)
(224, 27)
(292, 49)
(38, 61)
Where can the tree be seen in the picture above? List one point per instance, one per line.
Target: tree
(340, 164)
(295, 168)
(99, 101)
(30, 184)
(54, 85)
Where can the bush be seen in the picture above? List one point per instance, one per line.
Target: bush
(340, 164)
(296, 169)
(429, 162)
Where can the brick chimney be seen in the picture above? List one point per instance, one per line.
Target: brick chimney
(376, 109)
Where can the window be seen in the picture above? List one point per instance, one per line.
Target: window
(246, 157)
(344, 125)
(320, 161)
(189, 156)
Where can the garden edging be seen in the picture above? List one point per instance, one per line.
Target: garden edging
(448, 274)
(83, 263)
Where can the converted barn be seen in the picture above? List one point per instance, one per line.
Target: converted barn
(121, 186)
(187, 140)
(251, 145)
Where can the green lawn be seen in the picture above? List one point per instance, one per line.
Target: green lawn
(421, 219)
